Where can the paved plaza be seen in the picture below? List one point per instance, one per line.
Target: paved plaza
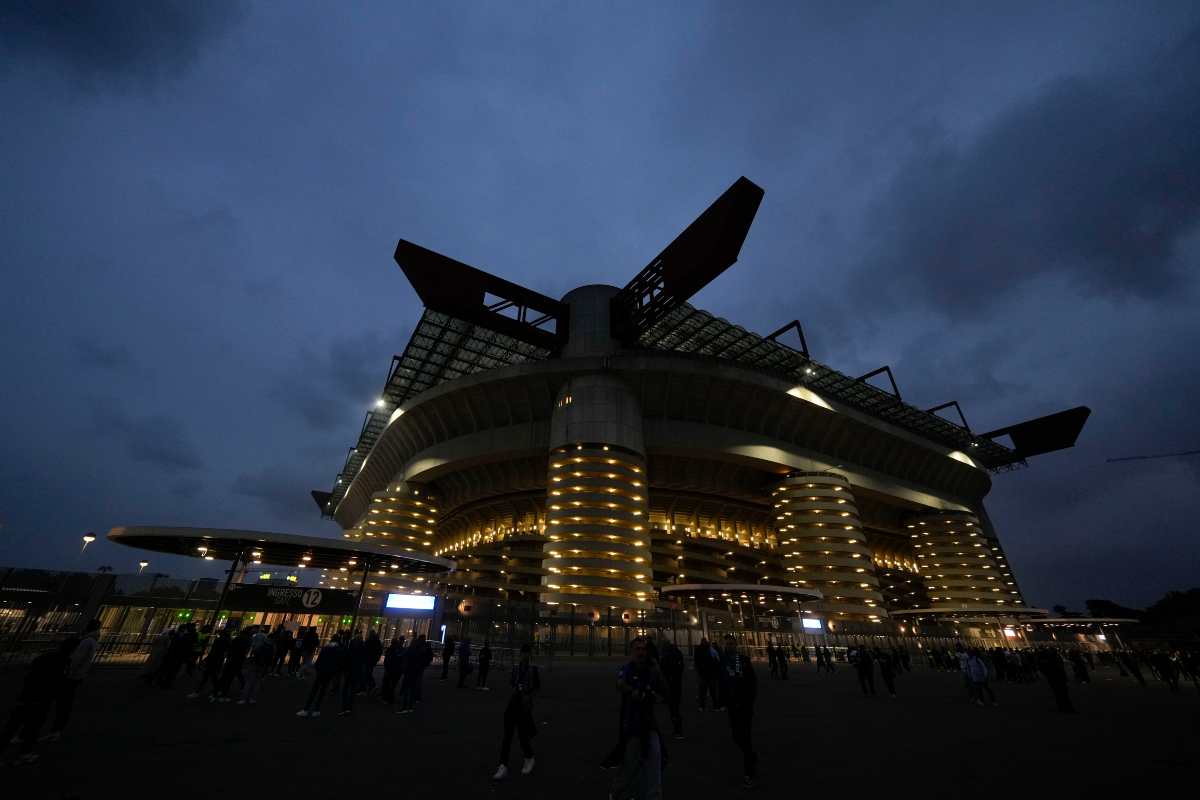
(816, 734)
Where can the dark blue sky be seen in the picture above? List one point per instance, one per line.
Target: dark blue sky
(199, 204)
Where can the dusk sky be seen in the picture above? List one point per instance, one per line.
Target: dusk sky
(200, 201)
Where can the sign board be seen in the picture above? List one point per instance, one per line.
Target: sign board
(297, 599)
(812, 625)
(410, 602)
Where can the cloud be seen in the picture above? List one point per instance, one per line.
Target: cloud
(97, 38)
(326, 389)
(157, 440)
(94, 353)
(284, 490)
(1094, 178)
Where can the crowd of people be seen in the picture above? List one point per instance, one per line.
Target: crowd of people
(235, 663)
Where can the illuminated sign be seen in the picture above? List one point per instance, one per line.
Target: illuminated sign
(412, 602)
(811, 624)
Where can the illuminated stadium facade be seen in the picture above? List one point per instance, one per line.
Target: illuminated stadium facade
(582, 458)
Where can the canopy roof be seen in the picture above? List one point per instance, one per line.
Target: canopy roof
(278, 548)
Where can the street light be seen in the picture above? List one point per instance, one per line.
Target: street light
(88, 538)
(142, 565)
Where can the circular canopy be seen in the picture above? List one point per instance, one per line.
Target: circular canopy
(769, 596)
(972, 613)
(278, 549)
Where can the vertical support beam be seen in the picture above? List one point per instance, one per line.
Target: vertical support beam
(224, 589)
(362, 588)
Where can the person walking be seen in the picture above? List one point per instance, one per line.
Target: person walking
(41, 685)
(393, 669)
(416, 659)
(239, 648)
(352, 672)
(864, 664)
(671, 663)
(977, 673)
(284, 642)
(1051, 665)
(639, 752)
(887, 671)
(262, 661)
(79, 666)
(310, 643)
(447, 654)
(158, 654)
(772, 663)
(705, 662)
(464, 661)
(1079, 667)
(373, 651)
(485, 664)
(781, 656)
(330, 663)
(213, 663)
(740, 690)
(525, 682)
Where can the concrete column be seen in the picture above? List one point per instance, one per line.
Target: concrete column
(823, 547)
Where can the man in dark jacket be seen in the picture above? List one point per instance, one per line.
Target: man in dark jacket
(238, 649)
(393, 669)
(374, 649)
(865, 665)
(352, 672)
(1051, 665)
(525, 682)
(739, 687)
(464, 661)
(330, 662)
(706, 674)
(447, 654)
(671, 662)
(213, 663)
(42, 682)
(485, 663)
(416, 659)
(639, 753)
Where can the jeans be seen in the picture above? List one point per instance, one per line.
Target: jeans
(739, 724)
(63, 703)
(517, 717)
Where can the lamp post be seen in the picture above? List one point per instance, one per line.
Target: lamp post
(88, 538)
(142, 566)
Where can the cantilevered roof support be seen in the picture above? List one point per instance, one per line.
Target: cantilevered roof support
(1046, 434)
(472, 295)
(705, 249)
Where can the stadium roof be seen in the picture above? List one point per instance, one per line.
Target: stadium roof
(475, 321)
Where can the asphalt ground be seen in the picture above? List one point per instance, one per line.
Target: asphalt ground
(816, 735)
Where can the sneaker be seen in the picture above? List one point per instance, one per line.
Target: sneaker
(241, 702)
(501, 773)
(53, 736)
(678, 737)
(345, 713)
(748, 782)
(193, 695)
(527, 767)
(302, 712)
(252, 702)
(315, 714)
(26, 758)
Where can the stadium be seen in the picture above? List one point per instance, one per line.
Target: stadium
(618, 458)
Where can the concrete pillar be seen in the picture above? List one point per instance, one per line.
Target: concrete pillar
(823, 546)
